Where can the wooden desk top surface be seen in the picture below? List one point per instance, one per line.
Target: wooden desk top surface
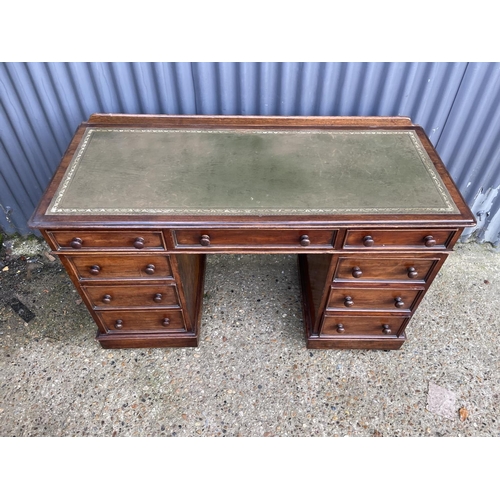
(172, 168)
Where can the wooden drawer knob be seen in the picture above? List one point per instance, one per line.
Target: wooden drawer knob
(368, 241)
(95, 270)
(76, 243)
(157, 298)
(107, 299)
(398, 302)
(348, 302)
(205, 240)
(118, 324)
(356, 272)
(305, 241)
(386, 330)
(139, 243)
(340, 328)
(150, 269)
(412, 272)
(429, 241)
(165, 322)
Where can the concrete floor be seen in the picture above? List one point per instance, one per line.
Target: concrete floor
(251, 374)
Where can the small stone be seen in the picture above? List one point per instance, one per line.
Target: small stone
(184, 416)
(486, 282)
(377, 434)
(224, 339)
(49, 257)
(6, 268)
(463, 413)
(78, 302)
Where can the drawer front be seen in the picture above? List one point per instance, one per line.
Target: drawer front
(422, 239)
(241, 238)
(345, 299)
(108, 296)
(384, 269)
(119, 240)
(370, 326)
(98, 267)
(126, 321)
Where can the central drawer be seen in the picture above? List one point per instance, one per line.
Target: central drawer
(158, 321)
(101, 266)
(253, 238)
(132, 296)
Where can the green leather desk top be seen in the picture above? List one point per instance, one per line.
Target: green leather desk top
(250, 172)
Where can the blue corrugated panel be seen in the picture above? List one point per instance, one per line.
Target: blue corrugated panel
(42, 104)
(470, 146)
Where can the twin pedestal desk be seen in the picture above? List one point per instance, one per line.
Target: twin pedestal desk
(138, 201)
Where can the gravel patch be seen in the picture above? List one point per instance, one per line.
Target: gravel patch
(251, 374)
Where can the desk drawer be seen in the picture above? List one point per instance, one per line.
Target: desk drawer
(420, 239)
(355, 299)
(254, 238)
(101, 267)
(126, 321)
(111, 296)
(119, 240)
(373, 326)
(403, 269)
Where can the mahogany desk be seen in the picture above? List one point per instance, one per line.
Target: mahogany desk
(139, 200)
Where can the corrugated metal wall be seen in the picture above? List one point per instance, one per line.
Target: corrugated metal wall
(470, 147)
(42, 104)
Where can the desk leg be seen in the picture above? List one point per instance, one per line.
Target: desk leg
(315, 276)
(316, 272)
(191, 278)
(189, 274)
